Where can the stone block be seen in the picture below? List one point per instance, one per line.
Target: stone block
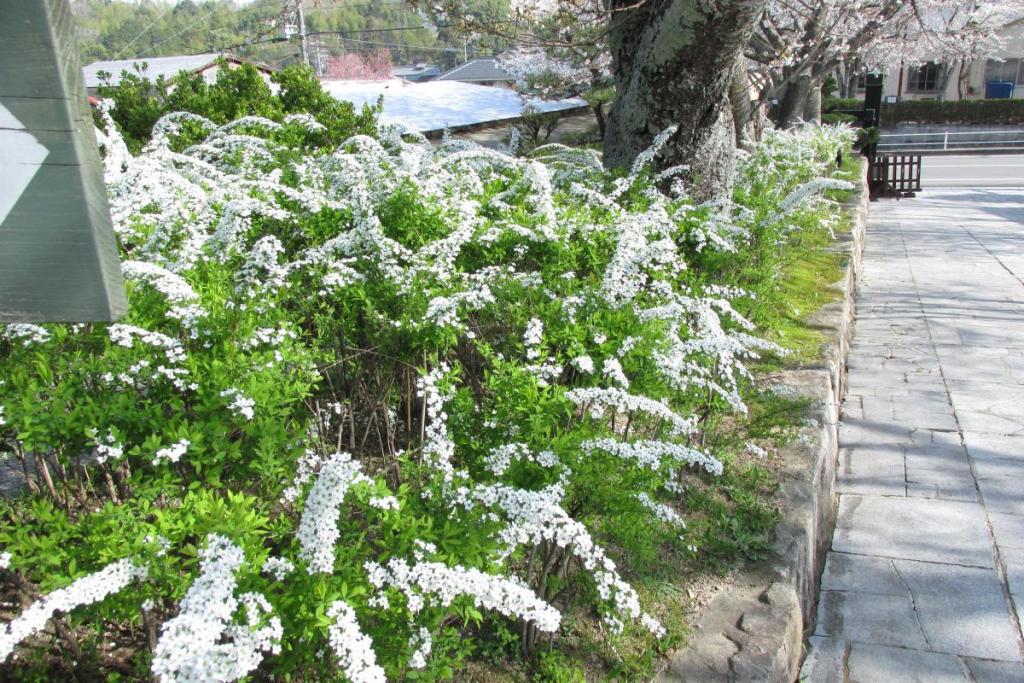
(986, 671)
(825, 662)
(962, 610)
(862, 574)
(877, 471)
(1008, 530)
(913, 528)
(876, 663)
(869, 618)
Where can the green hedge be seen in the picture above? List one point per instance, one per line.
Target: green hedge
(964, 111)
(833, 103)
(834, 118)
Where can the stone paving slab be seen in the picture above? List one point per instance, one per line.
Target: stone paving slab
(925, 578)
(961, 610)
(913, 529)
(869, 618)
(987, 671)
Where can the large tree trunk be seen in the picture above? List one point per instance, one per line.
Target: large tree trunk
(794, 100)
(812, 103)
(742, 110)
(673, 62)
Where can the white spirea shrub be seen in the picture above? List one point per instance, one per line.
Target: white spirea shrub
(87, 590)
(205, 642)
(424, 583)
(318, 528)
(408, 382)
(352, 647)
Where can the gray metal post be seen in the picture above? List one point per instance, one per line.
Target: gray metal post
(58, 252)
(303, 47)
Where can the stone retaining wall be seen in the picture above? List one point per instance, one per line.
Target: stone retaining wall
(754, 630)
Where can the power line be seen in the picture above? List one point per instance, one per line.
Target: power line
(406, 45)
(144, 31)
(325, 33)
(209, 14)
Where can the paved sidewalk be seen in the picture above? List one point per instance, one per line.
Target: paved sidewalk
(925, 578)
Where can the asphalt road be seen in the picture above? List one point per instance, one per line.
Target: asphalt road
(981, 170)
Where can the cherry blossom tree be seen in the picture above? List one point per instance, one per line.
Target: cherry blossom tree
(799, 43)
(371, 66)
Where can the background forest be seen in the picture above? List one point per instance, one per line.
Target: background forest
(116, 29)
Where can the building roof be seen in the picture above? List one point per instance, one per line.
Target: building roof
(416, 72)
(436, 105)
(477, 70)
(157, 66)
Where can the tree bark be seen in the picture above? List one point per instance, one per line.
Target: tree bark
(599, 116)
(673, 62)
(794, 100)
(812, 103)
(742, 110)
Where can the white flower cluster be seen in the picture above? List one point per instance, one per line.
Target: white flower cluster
(27, 333)
(655, 455)
(107, 447)
(440, 584)
(443, 311)
(339, 276)
(204, 643)
(533, 337)
(804, 193)
(142, 374)
(268, 336)
(584, 364)
(383, 502)
(612, 369)
(661, 511)
(597, 400)
(5, 560)
(438, 447)
(262, 270)
(305, 467)
(173, 452)
(278, 567)
(241, 405)
(535, 71)
(351, 646)
(422, 643)
(318, 529)
(499, 459)
(537, 516)
(87, 590)
(707, 337)
(174, 287)
(125, 335)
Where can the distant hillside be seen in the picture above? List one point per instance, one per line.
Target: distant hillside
(117, 29)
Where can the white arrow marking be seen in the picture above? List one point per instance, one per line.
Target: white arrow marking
(20, 157)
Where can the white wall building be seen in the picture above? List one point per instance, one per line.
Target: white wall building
(966, 81)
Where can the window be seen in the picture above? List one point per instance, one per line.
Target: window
(1005, 70)
(924, 78)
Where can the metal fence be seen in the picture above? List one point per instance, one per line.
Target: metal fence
(949, 142)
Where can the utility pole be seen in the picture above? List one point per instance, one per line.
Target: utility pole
(303, 48)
